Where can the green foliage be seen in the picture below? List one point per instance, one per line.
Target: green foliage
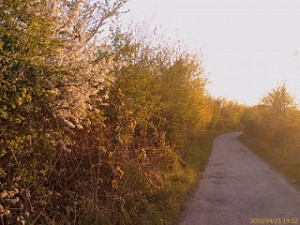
(26, 148)
(35, 145)
(93, 132)
(149, 105)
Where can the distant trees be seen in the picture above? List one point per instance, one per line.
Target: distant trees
(273, 130)
(275, 121)
(279, 101)
(227, 115)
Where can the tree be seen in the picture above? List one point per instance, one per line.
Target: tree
(279, 100)
(274, 120)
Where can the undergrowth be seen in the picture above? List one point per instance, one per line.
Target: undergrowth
(179, 185)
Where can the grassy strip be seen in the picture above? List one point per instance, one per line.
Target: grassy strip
(286, 163)
(180, 184)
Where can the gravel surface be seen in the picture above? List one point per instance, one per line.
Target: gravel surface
(238, 188)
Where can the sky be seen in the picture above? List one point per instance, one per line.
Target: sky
(248, 46)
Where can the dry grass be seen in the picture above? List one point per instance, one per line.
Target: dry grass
(285, 161)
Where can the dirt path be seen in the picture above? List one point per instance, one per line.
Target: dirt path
(238, 186)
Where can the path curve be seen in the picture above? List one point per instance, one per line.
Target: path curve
(238, 188)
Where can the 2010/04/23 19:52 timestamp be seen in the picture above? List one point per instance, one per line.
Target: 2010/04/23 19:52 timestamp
(274, 221)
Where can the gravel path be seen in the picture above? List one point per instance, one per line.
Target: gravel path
(238, 188)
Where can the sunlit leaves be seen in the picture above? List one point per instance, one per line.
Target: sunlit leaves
(279, 100)
(275, 121)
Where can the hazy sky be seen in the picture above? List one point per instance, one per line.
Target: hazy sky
(248, 46)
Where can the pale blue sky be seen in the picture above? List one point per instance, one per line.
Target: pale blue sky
(248, 46)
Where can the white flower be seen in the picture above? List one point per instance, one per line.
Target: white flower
(88, 74)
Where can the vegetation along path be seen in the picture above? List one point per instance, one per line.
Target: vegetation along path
(238, 188)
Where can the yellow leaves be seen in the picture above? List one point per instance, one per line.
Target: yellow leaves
(132, 125)
(110, 155)
(1, 46)
(3, 114)
(114, 184)
(142, 154)
(2, 172)
(19, 101)
(7, 194)
(2, 153)
(279, 100)
(58, 195)
(102, 149)
(118, 172)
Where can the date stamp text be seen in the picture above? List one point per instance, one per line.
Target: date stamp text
(259, 221)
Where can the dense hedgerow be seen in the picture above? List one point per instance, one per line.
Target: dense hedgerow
(92, 131)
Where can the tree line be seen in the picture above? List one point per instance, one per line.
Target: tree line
(272, 128)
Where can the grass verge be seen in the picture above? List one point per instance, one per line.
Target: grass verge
(180, 184)
(285, 162)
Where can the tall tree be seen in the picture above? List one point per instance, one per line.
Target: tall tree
(279, 100)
